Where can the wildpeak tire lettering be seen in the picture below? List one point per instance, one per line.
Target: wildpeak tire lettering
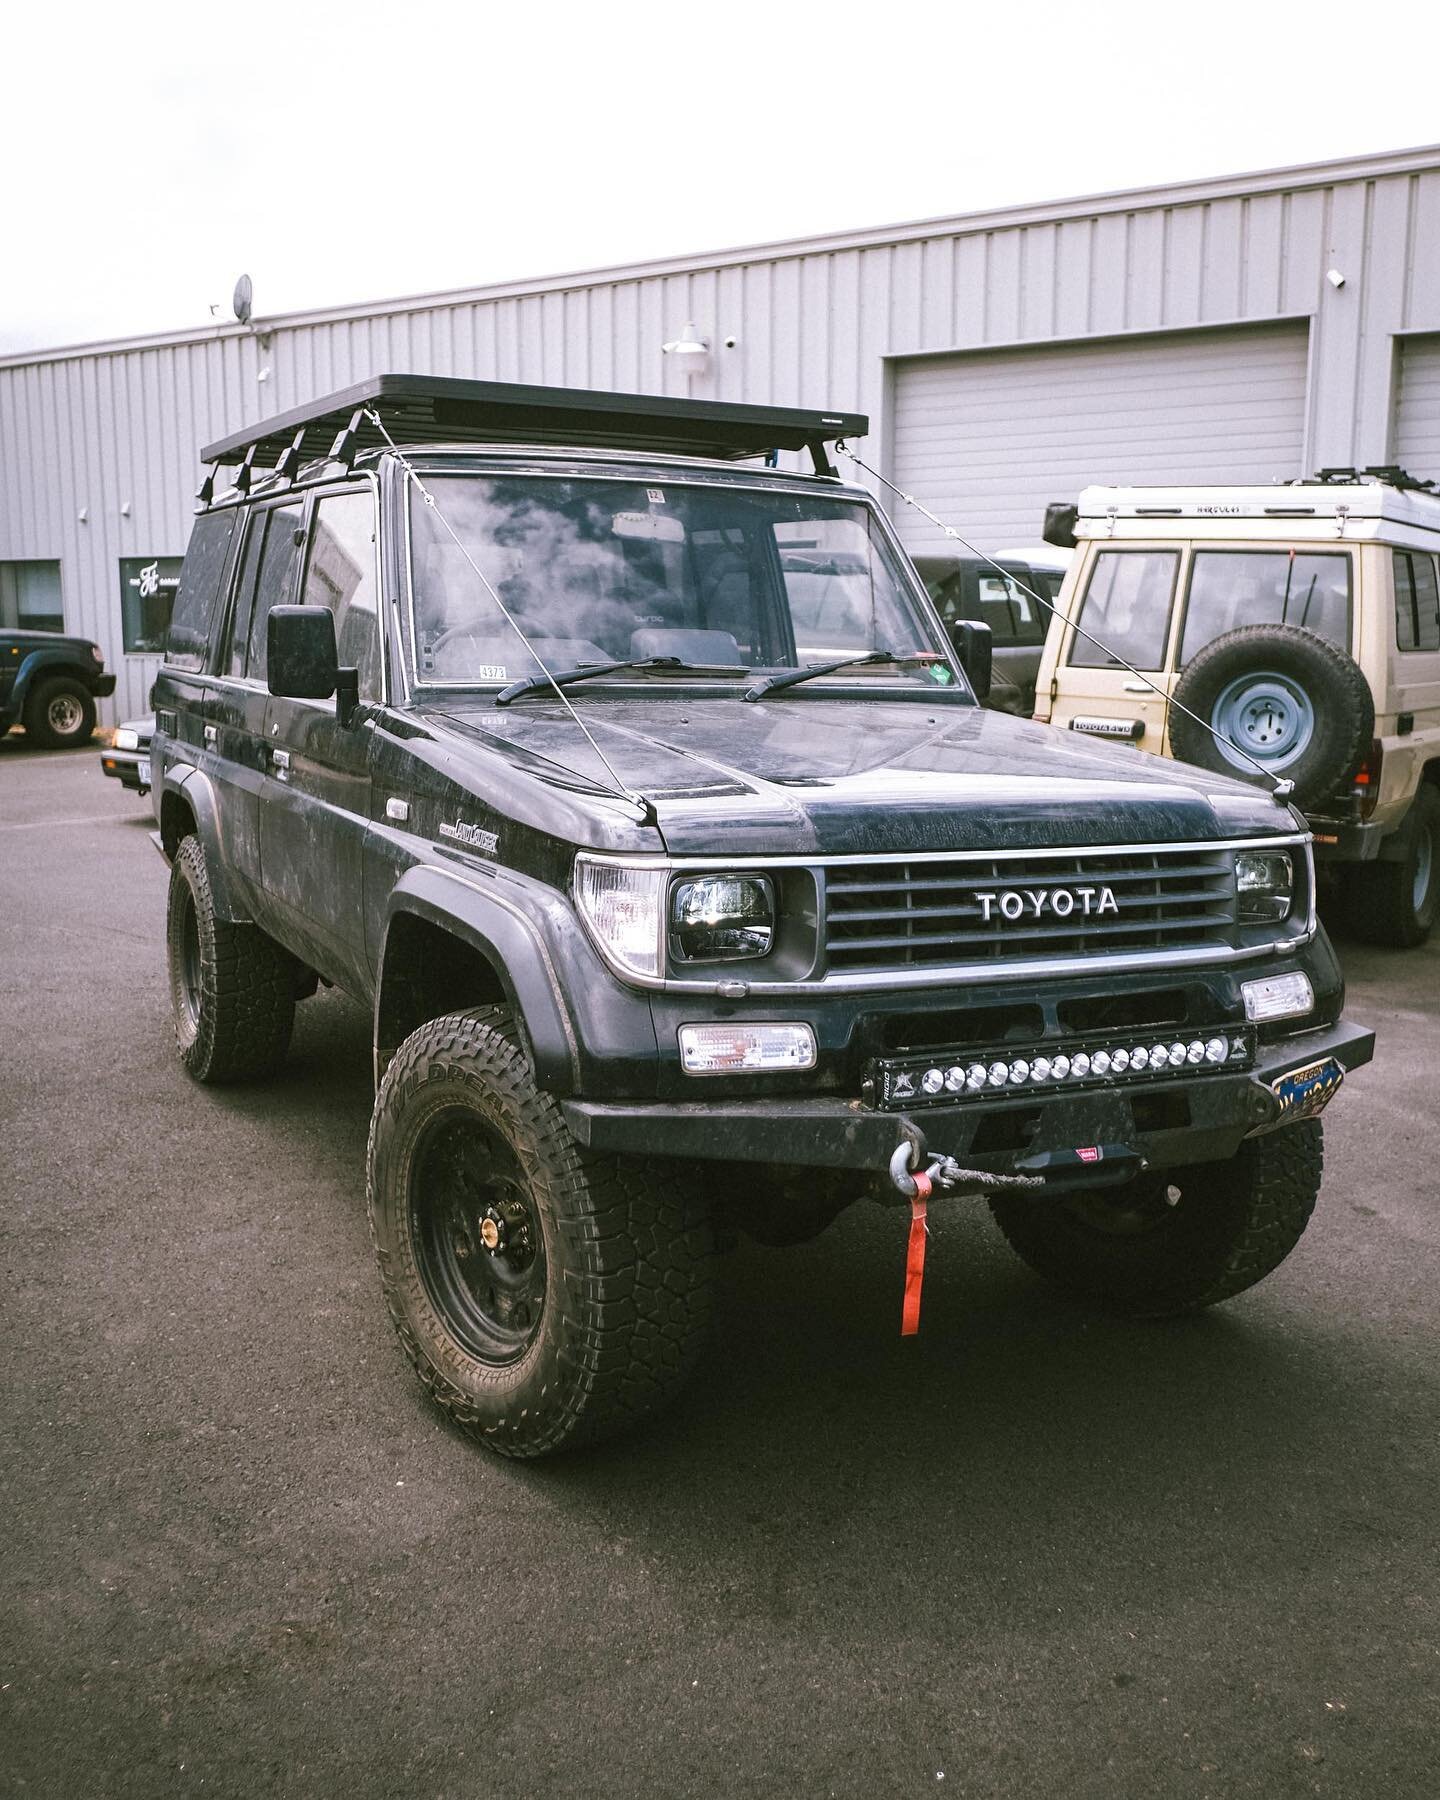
(1017, 903)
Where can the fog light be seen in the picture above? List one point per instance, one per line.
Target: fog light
(1277, 997)
(955, 1079)
(1119, 1061)
(998, 1074)
(1139, 1057)
(737, 1049)
(1195, 1052)
(1060, 1068)
(1177, 1055)
(932, 1081)
(1083, 1065)
(975, 1076)
(1040, 1069)
(1019, 1071)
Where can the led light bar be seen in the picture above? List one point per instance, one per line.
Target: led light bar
(938, 1081)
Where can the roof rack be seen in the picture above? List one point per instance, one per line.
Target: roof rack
(431, 409)
(1388, 474)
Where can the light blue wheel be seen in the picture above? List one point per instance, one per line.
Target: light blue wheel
(1266, 715)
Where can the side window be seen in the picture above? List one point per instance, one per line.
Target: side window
(340, 574)
(1417, 601)
(1127, 608)
(194, 613)
(264, 580)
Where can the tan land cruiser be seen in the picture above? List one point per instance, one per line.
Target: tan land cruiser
(1300, 626)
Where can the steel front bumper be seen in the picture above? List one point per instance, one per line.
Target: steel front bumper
(1170, 1123)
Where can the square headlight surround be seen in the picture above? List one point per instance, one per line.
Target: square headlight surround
(722, 918)
(1265, 885)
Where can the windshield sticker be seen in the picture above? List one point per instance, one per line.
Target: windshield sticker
(656, 496)
(492, 672)
(938, 672)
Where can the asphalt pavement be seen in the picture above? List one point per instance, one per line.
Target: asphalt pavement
(1033, 1552)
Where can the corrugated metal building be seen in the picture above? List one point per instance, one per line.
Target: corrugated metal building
(1245, 329)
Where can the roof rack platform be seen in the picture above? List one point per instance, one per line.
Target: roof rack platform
(432, 409)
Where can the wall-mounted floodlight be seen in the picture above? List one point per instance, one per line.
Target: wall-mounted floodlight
(690, 350)
(1335, 278)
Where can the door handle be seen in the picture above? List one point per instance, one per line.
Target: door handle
(1140, 687)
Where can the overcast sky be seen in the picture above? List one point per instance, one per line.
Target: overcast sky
(350, 151)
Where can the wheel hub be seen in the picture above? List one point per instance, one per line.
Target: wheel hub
(1265, 716)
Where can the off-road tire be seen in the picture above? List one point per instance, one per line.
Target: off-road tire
(628, 1248)
(60, 713)
(1335, 687)
(232, 988)
(1231, 1225)
(1381, 903)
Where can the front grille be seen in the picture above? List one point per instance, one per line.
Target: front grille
(925, 912)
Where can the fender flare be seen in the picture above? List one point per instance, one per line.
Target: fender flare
(198, 792)
(511, 942)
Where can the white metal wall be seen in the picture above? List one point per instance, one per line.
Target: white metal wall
(1417, 406)
(986, 439)
(111, 430)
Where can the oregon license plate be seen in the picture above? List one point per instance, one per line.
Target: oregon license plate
(144, 771)
(1304, 1093)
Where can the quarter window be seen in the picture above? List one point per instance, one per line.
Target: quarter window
(1126, 609)
(188, 639)
(1417, 601)
(341, 575)
(1231, 588)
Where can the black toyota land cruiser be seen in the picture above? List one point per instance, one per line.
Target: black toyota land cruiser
(636, 786)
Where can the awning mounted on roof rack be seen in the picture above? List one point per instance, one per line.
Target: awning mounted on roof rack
(431, 409)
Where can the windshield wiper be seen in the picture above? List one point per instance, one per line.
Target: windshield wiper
(563, 677)
(791, 677)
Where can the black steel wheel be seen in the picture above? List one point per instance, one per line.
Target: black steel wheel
(479, 1245)
(1179, 1240)
(546, 1297)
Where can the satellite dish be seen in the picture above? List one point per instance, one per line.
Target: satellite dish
(243, 301)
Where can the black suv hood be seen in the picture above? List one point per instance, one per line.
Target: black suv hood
(821, 776)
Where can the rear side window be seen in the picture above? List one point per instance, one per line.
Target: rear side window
(265, 579)
(1127, 610)
(341, 575)
(1417, 601)
(192, 617)
(1231, 588)
(1013, 617)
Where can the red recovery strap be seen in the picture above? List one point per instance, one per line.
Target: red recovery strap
(915, 1257)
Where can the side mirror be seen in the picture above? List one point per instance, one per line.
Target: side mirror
(1061, 518)
(301, 661)
(974, 645)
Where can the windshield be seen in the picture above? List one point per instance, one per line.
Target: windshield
(608, 571)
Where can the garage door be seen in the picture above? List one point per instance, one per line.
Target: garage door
(1417, 406)
(987, 439)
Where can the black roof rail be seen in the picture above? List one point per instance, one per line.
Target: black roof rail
(431, 409)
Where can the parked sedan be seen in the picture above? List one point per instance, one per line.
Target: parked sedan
(128, 757)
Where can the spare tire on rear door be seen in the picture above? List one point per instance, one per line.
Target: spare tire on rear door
(1298, 706)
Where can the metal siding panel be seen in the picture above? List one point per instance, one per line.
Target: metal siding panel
(1037, 281)
(1422, 289)
(986, 440)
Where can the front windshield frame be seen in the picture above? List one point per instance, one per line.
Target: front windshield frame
(931, 639)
